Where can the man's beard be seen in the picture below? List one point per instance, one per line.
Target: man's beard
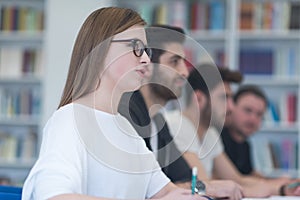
(218, 122)
(162, 92)
(205, 116)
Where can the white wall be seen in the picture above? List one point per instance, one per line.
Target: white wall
(63, 20)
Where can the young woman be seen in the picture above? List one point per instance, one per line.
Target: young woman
(88, 150)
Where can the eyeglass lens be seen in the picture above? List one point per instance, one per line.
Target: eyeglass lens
(139, 48)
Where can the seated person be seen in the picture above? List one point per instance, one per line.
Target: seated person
(192, 130)
(143, 109)
(250, 104)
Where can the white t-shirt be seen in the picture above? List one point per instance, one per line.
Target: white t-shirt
(185, 136)
(90, 152)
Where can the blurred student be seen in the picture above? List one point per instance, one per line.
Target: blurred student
(250, 104)
(195, 133)
(145, 109)
(88, 150)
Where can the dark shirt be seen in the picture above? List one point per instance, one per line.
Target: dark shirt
(132, 106)
(239, 153)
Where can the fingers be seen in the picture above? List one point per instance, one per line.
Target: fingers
(237, 192)
(297, 191)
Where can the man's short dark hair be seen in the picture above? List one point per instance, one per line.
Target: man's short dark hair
(213, 76)
(158, 35)
(250, 89)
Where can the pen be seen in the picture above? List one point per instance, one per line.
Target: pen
(194, 179)
(293, 185)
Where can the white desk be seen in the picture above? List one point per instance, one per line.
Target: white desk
(276, 198)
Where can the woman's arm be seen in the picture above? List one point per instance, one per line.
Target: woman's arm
(76, 197)
(169, 192)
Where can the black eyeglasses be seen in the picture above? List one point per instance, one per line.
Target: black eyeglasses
(138, 47)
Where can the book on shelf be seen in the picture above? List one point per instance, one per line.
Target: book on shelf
(21, 18)
(180, 19)
(146, 13)
(272, 113)
(22, 102)
(286, 61)
(8, 148)
(198, 16)
(246, 15)
(217, 15)
(283, 110)
(270, 155)
(262, 157)
(28, 147)
(220, 57)
(195, 15)
(269, 15)
(295, 15)
(10, 62)
(291, 107)
(281, 61)
(160, 14)
(275, 152)
(256, 61)
(16, 62)
(15, 147)
(288, 154)
(288, 108)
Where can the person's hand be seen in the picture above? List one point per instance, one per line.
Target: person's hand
(224, 189)
(291, 189)
(276, 183)
(268, 187)
(182, 194)
(261, 188)
(186, 185)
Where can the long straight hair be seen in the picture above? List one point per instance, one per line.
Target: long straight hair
(91, 47)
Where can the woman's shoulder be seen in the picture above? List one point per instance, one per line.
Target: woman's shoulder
(61, 118)
(73, 110)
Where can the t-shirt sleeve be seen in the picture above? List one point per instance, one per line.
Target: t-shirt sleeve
(59, 167)
(213, 142)
(183, 132)
(157, 182)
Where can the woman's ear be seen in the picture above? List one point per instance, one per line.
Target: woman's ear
(201, 99)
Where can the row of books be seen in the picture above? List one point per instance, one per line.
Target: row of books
(192, 15)
(21, 18)
(276, 15)
(18, 62)
(19, 102)
(283, 111)
(17, 148)
(211, 15)
(281, 61)
(271, 155)
(276, 62)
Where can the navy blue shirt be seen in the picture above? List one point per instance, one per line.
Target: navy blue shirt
(239, 153)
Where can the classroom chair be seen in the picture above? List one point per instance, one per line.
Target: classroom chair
(10, 193)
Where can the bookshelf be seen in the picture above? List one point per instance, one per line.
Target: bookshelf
(273, 27)
(21, 75)
(261, 38)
